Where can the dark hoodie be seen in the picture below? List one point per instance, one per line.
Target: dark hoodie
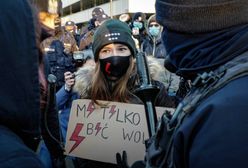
(214, 134)
(19, 86)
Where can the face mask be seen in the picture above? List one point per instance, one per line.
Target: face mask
(154, 31)
(114, 66)
(138, 24)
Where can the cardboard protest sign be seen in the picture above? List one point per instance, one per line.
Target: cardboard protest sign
(98, 133)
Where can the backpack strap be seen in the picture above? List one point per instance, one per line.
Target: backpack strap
(207, 83)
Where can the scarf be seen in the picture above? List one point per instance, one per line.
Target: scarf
(195, 53)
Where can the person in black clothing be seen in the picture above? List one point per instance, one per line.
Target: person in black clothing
(19, 87)
(138, 27)
(59, 62)
(206, 43)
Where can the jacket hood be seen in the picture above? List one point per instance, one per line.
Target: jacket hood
(151, 19)
(85, 74)
(19, 86)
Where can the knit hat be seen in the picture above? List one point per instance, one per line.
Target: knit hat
(112, 31)
(194, 16)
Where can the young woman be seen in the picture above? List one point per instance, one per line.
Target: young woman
(112, 78)
(115, 77)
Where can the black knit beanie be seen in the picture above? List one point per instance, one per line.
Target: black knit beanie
(112, 31)
(197, 16)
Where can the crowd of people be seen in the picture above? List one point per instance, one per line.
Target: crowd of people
(92, 78)
(197, 57)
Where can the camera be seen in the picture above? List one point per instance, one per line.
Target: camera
(80, 57)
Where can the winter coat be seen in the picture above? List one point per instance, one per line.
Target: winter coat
(150, 43)
(82, 86)
(158, 75)
(64, 101)
(217, 126)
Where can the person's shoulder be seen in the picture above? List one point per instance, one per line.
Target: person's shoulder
(223, 102)
(83, 80)
(233, 91)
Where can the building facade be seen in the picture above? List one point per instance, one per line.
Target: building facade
(79, 11)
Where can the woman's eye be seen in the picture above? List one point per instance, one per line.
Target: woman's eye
(122, 49)
(104, 51)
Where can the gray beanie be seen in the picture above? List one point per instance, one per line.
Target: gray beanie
(196, 16)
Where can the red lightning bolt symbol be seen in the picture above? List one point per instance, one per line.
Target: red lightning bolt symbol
(107, 67)
(98, 127)
(75, 136)
(90, 109)
(112, 111)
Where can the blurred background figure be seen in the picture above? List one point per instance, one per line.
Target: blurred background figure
(125, 17)
(59, 62)
(97, 11)
(98, 17)
(138, 27)
(153, 45)
(71, 27)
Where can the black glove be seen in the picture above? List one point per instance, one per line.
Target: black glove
(159, 144)
(122, 160)
(58, 163)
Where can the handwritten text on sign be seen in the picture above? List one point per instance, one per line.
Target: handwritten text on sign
(98, 133)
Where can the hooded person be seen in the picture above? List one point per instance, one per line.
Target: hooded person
(206, 42)
(139, 21)
(138, 26)
(20, 94)
(153, 44)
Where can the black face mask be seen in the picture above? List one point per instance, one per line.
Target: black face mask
(114, 66)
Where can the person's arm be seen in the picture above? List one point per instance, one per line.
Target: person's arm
(64, 94)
